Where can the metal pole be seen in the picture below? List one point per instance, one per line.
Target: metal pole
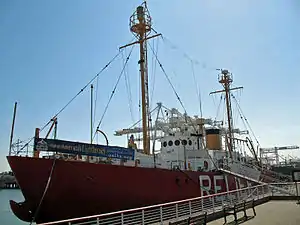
(184, 152)
(298, 200)
(92, 113)
(153, 146)
(36, 152)
(88, 157)
(55, 129)
(12, 129)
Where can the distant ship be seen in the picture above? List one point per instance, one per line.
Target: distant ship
(81, 179)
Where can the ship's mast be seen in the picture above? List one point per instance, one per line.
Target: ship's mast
(140, 26)
(141, 32)
(12, 129)
(225, 78)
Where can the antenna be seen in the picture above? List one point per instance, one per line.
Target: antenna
(140, 26)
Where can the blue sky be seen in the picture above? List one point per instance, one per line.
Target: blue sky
(50, 50)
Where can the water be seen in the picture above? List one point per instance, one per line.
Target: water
(6, 215)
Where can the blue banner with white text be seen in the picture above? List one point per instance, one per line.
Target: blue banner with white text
(79, 148)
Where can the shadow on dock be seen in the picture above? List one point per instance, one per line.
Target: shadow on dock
(240, 221)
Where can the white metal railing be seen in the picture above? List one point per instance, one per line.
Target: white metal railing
(284, 189)
(164, 212)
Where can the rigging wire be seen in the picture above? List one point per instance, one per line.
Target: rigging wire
(235, 116)
(175, 47)
(193, 62)
(95, 103)
(237, 96)
(246, 120)
(197, 88)
(219, 106)
(241, 116)
(128, 88)
(172, 86)
(133, 125)
(69, 102)
(113, 92)
(153, 73)
(44, 193)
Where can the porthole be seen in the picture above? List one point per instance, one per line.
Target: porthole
(170, 143)
(177, 142)
(184, 142)
(165, 144)
(190, 142)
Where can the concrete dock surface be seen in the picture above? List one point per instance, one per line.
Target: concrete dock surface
(270, 213)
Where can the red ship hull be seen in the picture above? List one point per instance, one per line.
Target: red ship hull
(79, 189)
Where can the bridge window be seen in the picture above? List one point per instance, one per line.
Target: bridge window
(170, 143)
(165, 144)
(177, 142)
(184, 142)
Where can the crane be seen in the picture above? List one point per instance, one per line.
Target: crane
(274, 150)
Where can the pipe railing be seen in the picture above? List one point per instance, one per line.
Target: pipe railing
(172, 210)
(284, 189)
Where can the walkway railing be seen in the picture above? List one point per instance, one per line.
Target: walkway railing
(284, 189)
(172, 210)
(163, 213)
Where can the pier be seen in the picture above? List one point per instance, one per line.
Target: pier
(274, 212)
(8, 181)
(266, 197)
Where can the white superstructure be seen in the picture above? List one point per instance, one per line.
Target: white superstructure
(189, 144)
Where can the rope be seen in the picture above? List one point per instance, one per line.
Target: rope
(113, 92)
(153, 74)
(95, 104)
(198, 90)
(81, 90)
(128, 89)
(164, 72)
(45, 191)
(172, 86)
(133, 125)
(242, 116)
(219, 106)
(175, 47)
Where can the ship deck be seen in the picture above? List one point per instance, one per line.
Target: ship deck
(274, 212)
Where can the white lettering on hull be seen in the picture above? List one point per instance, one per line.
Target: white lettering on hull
(204, 188)
(218, 188)
(206, 184)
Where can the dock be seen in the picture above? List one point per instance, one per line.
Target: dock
(8, 181)
(274, 212)
(274, 204)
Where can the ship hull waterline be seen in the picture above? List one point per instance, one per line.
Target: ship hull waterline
(77, 189)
